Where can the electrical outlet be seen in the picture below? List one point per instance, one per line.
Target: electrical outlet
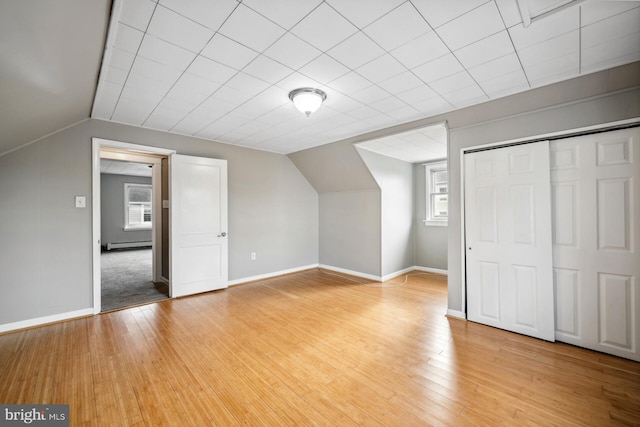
(253, 256)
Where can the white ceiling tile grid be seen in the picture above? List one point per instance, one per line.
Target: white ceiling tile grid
(222, 70)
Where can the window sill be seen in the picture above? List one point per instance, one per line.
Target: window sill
(429, 223)
(137, 228)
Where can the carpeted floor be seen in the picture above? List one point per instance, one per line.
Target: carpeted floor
(127, 279)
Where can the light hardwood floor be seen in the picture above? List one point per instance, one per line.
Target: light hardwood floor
(312, 348)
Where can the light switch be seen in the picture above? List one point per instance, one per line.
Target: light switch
(81, 201)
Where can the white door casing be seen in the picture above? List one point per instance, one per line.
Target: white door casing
(595, 204)
(508, 239)
(198, 212)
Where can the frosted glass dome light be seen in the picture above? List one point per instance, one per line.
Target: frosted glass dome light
(307, 99)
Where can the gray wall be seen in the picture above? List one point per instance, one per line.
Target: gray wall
(112, 209)
(431, 242)
(45, 258)
(350, 206)
(395, 178)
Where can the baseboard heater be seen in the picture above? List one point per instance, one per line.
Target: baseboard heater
(123, 245)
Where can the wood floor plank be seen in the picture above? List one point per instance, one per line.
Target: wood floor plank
(312, 348)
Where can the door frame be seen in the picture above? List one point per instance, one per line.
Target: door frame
(603, 127)
(96, 145)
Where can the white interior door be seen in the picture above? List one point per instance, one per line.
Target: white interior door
(508, 239)
(596, 200)
(198, 212)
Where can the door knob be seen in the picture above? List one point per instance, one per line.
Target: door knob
(223, 234)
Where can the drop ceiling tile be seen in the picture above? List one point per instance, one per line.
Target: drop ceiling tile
(178, 30)
(104, 106)
(416, 95)
(496, 68)
(611, 29)
(263, 103)
(137, 13)
(390, 103)
(342, 103)
(210, 70)
(401, 83)
(228, 52)
(285, 13)
(111, 89)
(292, 51)
(127, 38)
(297, 80)
(247, 84)
(592, 12)
(554, 57)
(545, 29)
(163, 119)
(505, 84)
(438, 12)
(364, 12)
(356, 51)
(510, 12)
(324, 69)
(623, 50)
(350, 82)
(251, 29)
(193, 90)
(406, 113)
(165, 53)
(144, 68)
(433, 106)
(115, 75)
(420, 50)
(381, 68)
(197, 120)
(363, 112)
(178, 105)
(370, 95)
(205, 12)
(469, 95)
(475, 25)
(132, 111)
(485, 50)
(121, 59)
(398, 27)
(324, 28)
(267, 69)
(548, 50)
(438, 68)
(453, 82)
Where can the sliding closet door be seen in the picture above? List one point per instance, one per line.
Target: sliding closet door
(596, 201)
(508, 239)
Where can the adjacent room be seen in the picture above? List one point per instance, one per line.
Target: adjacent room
(320, 212)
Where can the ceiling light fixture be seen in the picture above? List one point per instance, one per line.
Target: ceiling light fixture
(307, 99)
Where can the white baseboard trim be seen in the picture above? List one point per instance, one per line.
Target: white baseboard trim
(351, 272)
(432, 270)
(457, 314)
(270, 275)
(38, 321)
(397, 273)
(164, 280)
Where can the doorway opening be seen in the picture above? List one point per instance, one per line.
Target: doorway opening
(127, 217)
(130, 225)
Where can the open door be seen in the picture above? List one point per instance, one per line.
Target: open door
(508, 239)
(198, 209)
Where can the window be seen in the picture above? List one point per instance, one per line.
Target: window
(437, 186)
(137, 206)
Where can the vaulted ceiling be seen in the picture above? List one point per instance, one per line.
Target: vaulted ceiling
(222, 70)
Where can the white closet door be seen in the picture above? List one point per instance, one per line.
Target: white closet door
(508, 239)
(198, 200)
(596, 201)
